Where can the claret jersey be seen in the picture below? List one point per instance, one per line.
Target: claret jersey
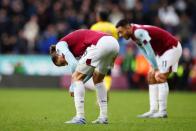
(79, 40)
(159, 39)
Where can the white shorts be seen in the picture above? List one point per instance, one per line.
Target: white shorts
(100, 56)
(169, 60)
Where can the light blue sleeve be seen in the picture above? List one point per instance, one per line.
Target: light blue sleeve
(146, 48)
(149, 54)
(62, 48)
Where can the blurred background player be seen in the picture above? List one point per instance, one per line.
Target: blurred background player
(163, 52)
(96, 52)
(104, 25)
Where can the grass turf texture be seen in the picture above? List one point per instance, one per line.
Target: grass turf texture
(47, 109)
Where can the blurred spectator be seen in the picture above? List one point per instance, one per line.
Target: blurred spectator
(8, 43)
(116, 14)
(129, 4)
(183, 31)
(31, 30)
(62, 29)
(193, 77)
(180, 5)
(128, 66)
(168, 15)
(193, 41)
(48, 38)
(4, 21)
(141, 71)
(190, 10)
(22, 44)
(19, 69)
(186, 62)
(138, 14)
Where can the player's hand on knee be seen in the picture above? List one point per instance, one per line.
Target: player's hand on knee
(151, 73)
(160, 77)
(151, 77)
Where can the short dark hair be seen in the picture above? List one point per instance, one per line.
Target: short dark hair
(103, 15)
(52, 49)
(122, 22)
(53, 54)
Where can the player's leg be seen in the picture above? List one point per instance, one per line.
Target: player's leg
(79, 91)
(101, 97)
(153, 95)
(163, 91)
(101, 91)
(108, 47)
(167, 63)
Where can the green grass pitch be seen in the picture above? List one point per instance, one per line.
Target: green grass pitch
(47, 109)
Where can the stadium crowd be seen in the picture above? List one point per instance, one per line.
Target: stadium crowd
(31, 26)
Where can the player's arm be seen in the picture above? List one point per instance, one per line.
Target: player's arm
(145, 46)
(62, 48)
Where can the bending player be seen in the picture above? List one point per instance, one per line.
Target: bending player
(96, 52)
(163, 52)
